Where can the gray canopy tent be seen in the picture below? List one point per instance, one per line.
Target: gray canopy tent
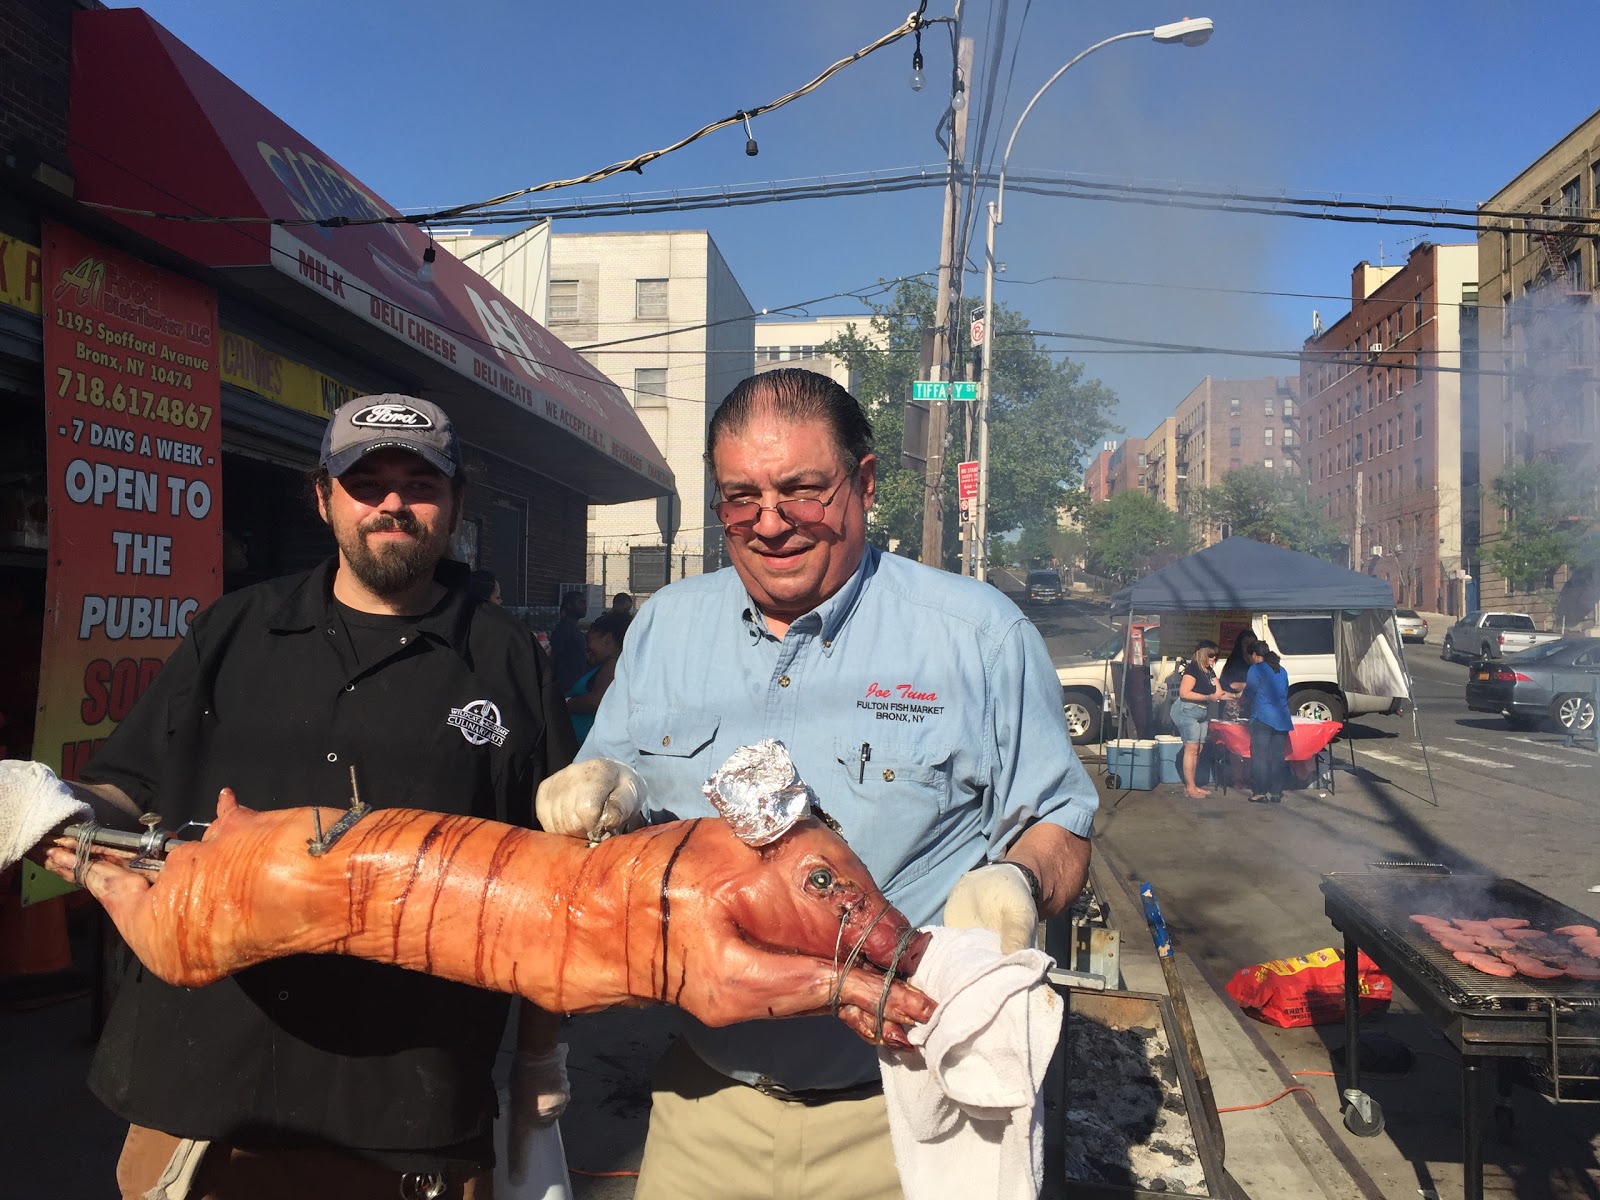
(1239, 574)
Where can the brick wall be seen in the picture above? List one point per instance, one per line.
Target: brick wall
(555, 525)
(35, 63)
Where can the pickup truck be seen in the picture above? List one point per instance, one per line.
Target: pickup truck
(1486, 634)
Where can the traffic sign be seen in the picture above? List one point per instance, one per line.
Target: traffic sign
(938, 389)
(967, 480)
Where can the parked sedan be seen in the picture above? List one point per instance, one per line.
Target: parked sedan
(1412, 626)
(1553, 682)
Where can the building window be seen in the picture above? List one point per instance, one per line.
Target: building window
(1288, 437)
(650, 299)
(1400, 431)
(1266, 408)
(1355, 403)
(1266, 436)
(1233, 406)
(1144, 460)
(769, 353)
(1416, 470)
(1235, 438)
(650, 387)
(1288, 407)
(1233, 464)
(1418, 430)
(1569, 198)
(1360, 450)
(1416, 311)
(1267, 463)
(563, 301)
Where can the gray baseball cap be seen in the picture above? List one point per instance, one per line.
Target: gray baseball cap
(370, 423)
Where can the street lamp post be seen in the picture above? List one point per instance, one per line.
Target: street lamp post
(1191, 31)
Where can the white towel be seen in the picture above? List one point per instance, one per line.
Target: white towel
(32, 803)
(966, 1115)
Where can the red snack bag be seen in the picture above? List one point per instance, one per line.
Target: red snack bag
(1291, 992)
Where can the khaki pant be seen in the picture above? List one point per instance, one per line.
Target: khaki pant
(714, 1139)
(232, 1174)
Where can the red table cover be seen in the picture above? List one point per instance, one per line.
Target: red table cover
(1305, 741)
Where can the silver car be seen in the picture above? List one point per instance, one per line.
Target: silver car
(1553, 682)
(1412, 626)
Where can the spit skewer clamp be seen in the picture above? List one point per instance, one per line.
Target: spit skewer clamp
(151, 846)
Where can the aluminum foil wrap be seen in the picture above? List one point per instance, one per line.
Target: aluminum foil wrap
(759, 793)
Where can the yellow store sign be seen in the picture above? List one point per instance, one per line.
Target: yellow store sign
(21, 275)
(266, 373)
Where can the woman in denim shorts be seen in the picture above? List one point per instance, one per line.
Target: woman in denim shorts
(1197, 690)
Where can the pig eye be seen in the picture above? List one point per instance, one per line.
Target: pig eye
(821, 879)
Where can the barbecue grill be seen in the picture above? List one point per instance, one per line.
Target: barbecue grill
(1554, 1024)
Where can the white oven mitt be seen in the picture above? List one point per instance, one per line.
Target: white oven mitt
(32, 803)
(592, 799)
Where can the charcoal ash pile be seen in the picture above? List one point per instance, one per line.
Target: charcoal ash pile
(1126, 1123)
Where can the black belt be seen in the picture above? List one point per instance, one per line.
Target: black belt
(858, 1091)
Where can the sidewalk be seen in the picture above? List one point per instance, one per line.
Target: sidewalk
(1284, 1150)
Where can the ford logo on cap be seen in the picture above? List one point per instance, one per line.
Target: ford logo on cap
(391, 416)
(370, 423)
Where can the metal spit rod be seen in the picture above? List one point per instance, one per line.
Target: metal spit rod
(151, 845)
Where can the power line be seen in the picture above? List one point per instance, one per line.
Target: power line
(912, 24)
(1327, 357)
(861, 293)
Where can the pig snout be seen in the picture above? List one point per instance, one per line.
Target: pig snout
(882, 947)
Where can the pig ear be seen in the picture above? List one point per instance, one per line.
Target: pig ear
(821, 814)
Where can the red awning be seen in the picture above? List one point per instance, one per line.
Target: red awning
(155, 127)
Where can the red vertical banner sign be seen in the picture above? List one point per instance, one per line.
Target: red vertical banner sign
(133, 426)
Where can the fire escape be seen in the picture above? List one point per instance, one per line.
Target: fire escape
(1559, 335)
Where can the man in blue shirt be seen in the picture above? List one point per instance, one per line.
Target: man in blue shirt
(923, 711)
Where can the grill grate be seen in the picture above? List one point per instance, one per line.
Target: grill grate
(1384, 903)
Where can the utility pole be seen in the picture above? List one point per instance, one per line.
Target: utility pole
(1356, 561)
(939, 410)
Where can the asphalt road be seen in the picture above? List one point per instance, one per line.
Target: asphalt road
(1239, 884)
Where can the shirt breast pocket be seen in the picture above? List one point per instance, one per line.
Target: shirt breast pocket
(894, 800)
(675, 733)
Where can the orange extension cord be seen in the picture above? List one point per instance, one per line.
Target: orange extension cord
(1280, 1095)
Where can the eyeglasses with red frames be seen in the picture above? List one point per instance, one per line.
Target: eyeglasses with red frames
(742, 514)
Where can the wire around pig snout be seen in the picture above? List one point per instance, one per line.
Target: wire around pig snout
(908, 950)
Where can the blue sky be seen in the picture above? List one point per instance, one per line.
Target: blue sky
(1426, 101)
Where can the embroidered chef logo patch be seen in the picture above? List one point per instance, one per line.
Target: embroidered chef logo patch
(479, 722)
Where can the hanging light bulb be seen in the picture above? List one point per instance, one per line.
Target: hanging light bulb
(425, 271)
(959, 100)
(918, 80)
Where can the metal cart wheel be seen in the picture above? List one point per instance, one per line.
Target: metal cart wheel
(1363, 1116)
(1114, 781)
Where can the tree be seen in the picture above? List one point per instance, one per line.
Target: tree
(1267, 506)
(1548, 516)
(1044, 416)
(1131, 535)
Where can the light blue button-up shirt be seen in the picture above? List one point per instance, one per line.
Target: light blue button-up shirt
(921, 708)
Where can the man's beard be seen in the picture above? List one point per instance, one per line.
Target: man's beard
(400, 566)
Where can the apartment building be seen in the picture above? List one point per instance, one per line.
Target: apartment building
(1161, 463)
(1382, 411)
(798, 343)
(1225, 424)
(1538, 349)
(1125, 469)
(662, 316)
(1097, 475)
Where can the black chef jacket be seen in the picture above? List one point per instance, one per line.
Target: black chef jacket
(266, 696)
